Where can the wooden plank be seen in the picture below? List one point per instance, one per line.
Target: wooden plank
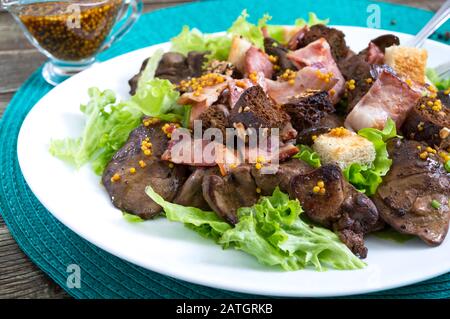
(16, 66)
(4, 100)
(19, 277)
(12, 36)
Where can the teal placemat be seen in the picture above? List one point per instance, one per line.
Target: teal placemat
(53, 247)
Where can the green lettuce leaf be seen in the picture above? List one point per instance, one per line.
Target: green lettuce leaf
(150, 69)
(107, 128)
(156, 97)
(306, 154)
(205, 223)
(278, 32)
(313, 19)
(132, 218)
(194, 40)
(219, 46)
(249, 31)
(366, 178)
(274, 233)
(440, 83)
(447, 166)
(270, 230)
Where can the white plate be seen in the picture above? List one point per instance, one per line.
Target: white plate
(78, 200)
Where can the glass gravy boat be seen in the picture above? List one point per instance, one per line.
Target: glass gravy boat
(72, 33)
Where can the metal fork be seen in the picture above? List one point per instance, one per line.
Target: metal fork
(438, 19)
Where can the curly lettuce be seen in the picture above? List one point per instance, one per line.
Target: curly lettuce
(194, 40)
(313, 19)
(249, 31)
(279, 32)
(219, 46)
(307, 155)
(207, 224)
(366, 178)
(272, 231)
(107, 127)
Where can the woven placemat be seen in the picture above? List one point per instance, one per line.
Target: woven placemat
(52, 246)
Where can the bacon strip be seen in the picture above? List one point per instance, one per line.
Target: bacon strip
(237, 87)
(201, 102)
(318, 54)
(257, 61)
(186, 150)
(389, 97)
(306, 79)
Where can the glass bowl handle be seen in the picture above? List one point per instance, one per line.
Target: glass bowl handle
(130, 19)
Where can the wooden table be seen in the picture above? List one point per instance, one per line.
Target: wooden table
(19, 278)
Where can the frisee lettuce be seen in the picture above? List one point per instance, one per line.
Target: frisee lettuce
(307, 155)
(366, 178)
(271, 230)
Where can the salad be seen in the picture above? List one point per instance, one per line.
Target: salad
(279, 141)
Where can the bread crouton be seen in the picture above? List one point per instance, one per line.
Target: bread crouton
(407, 62)
(343, 147)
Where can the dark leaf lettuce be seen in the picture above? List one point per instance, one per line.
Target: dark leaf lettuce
(367, 178)
(272, 231)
